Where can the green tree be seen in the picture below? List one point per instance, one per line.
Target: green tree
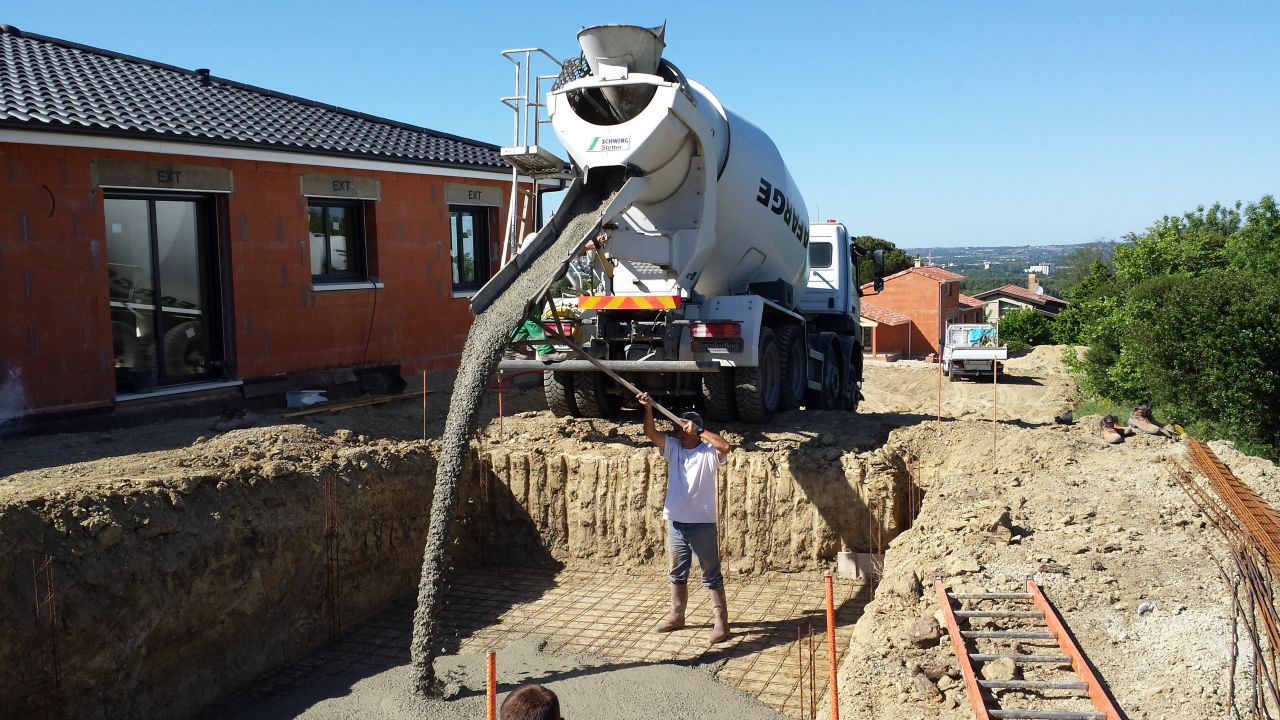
(1024, 327)
(895, 260)
(1188, 317)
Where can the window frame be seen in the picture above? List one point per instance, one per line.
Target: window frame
(481, 263)
(358, 261)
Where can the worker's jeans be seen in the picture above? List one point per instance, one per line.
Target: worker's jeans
(688, 540)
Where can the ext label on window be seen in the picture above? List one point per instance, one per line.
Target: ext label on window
(341, 186)
(609, 144)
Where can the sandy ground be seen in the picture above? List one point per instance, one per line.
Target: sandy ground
(1101, 527)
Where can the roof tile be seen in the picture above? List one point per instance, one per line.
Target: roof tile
(51, 84)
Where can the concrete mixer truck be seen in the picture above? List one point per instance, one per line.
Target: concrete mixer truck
(700, 275)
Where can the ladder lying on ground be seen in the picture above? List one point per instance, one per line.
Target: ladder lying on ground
(1035, 621)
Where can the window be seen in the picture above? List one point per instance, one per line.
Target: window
(163, 285)
(949, 289)
(820, 254)
(469, 246)
(337, 240)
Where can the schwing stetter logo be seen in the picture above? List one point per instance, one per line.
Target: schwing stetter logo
(609, 144)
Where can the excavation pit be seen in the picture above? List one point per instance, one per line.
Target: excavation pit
(236, 558)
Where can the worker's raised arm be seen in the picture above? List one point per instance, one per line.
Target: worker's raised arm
(650, 431)
(714, 440)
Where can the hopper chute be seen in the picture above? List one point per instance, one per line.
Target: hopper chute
(615, 51)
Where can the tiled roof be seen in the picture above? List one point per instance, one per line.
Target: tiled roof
(971, 301)
(930, 271)
(54, 85)
(937, 273)
(883, 316)
(1022, 294)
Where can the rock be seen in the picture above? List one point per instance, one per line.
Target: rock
(905, 584)
(1146, 608)
(1001, 669)
(963, 566)
(923, 632)
(927, 688)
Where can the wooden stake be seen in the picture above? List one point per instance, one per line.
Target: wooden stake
(995, 374)
(939, 392)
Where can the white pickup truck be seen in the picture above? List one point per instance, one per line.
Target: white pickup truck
(972, 350)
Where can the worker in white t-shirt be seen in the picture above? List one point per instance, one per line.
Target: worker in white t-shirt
(692, 455)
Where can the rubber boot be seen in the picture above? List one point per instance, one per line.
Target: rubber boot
(720, 610)
(675, 619)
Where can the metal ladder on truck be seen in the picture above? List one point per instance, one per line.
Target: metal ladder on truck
(1040, 624)
(526, 156)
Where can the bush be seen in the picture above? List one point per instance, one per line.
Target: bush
(1025, 326)
(1188, 317)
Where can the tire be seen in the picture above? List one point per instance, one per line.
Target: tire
(557, 387)
(793, 371)
(591, 395)
(832, 379)
(756, 390)
(184, 349)
(717, 395)
(852, 374)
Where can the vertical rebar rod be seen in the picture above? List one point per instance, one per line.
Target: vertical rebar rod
(813, 678)
(424, 404)
(800, 664)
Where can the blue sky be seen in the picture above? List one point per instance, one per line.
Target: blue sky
(927, 124)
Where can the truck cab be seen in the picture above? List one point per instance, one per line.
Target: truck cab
(832, 283)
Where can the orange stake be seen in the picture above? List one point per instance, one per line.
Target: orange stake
(831, 644)
(995, 373)
(939, 391)
(491, 685)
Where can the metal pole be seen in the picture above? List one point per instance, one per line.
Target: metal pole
(424, 404)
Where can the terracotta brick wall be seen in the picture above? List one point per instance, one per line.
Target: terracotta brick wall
(55, 331)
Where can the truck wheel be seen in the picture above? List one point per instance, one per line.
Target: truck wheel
(832, 379)
(591, 395)
(756, 389)
(792, 364)
(558, 389)
(852, 395)
(717, 395)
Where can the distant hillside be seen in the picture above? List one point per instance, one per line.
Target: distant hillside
(1007, 259)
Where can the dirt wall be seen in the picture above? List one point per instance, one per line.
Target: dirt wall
(784, 509)
(170, 589)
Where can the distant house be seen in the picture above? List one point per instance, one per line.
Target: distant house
(166, 232)
(910, 316)
(1011, 297)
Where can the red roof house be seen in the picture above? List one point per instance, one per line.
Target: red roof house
(910, 316)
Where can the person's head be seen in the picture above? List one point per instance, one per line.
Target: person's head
(693, 436)
(530, 702)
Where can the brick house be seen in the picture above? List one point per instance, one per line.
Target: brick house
(910, 316)
(1011, 297)
(166, 232)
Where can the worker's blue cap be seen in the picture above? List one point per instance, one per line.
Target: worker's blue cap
(695, 417)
